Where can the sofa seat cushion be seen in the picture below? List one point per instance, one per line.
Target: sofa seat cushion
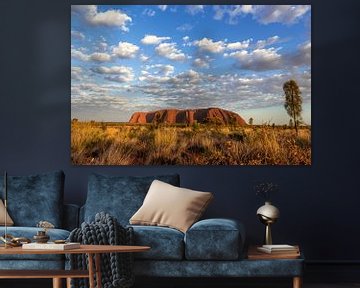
(214, 239)
(39, 264)
(29, 232)
(166, 243)
(120, 196)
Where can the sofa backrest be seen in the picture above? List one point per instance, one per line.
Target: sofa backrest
(35, 198)
(120, 196)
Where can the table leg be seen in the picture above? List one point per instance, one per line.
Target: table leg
(297, 282)
(68, 282)
(98, 270)
(57, 283)
(91, 270)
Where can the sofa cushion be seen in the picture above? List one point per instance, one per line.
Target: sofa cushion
(214, 239)
(35, 198)
(9, 221)
(29, 232)
(170, 206)
(120, 196)
(165, 243)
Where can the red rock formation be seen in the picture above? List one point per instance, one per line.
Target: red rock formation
(188, 116)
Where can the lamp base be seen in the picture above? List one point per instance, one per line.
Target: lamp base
(268, 237)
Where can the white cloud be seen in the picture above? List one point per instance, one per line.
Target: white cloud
(97, 56)
(153, 39)
(116, 73)
(77, 54)
(120, 78)
(185, 27)
(286, 14)
(258, 59)
(264, 14)
(186, 38)
(164, 69)
(125, 50)
(219, 12)
(246, 8)
(108, 18)
(170, 51)
(267, 42)
(162, 7)
(238, 45)
(144, 58)
(149, 12)
(208, 45)
(77, 35)
(302, 56)
(100, 57)
(232, 11)
(190, 76)
(194, 9)
(202, 62)
(102, 46)
(76, 73)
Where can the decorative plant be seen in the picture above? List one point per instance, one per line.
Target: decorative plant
(45, 225)
(265, 189)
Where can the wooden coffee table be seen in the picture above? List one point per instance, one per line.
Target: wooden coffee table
(92, 251)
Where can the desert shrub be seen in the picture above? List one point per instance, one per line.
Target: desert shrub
(115, 144)
(237, 136)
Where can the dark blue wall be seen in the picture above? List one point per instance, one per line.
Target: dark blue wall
(318, 204)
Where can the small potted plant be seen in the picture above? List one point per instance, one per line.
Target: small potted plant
(41, 236)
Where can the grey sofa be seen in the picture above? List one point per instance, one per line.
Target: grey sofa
(32, 199)
(210, 248)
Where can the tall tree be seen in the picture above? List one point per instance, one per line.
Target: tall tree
(293, 101)
(251, 121)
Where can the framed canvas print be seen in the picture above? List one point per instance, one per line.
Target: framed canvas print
(191, 84)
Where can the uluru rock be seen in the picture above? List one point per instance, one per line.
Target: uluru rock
(188, 116)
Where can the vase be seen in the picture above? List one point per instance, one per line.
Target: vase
(268, 214)
(41, 237)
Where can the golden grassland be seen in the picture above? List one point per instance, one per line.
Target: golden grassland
(95, 143)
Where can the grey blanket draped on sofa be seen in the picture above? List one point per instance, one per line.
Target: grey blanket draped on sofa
(116, 268)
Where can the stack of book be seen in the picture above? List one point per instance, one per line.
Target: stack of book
(282, 251)
(279, 249)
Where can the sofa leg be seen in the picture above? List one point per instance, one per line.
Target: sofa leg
(297, 282)
(57, 283)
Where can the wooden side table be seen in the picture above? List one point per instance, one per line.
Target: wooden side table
(93, 251)
(254, 254)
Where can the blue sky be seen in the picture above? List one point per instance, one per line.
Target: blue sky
(129, 58)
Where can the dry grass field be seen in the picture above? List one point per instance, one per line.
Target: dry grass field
(94, 143)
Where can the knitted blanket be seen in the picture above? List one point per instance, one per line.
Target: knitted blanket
(116, 268)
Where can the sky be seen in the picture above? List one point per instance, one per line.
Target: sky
(130, 58)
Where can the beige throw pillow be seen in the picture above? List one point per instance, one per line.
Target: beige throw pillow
(9, 221)
(170, 206)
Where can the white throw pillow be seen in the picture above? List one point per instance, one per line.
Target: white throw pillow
(170, 206)
(9, 221)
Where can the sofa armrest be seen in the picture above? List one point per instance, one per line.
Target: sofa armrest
(71, 216)
(215, 239)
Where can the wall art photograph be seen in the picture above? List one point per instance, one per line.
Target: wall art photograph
(191, 85)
